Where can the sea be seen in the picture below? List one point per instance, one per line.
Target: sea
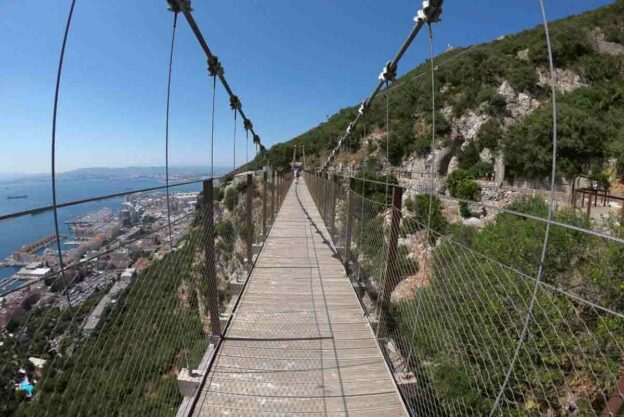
(26, 229)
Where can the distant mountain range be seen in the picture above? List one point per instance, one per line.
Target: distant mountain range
(112, 173)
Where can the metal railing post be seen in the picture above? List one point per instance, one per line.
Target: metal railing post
(209, 253)
(265, 184)
(349, 226)
(391, 279)
(248, 220)
(332, 205)
(273, 213)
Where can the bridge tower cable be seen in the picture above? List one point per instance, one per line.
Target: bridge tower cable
(57, 89)
(432, 184)
(55, 205)
(167, 117)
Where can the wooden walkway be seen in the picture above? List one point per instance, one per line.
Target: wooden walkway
(299, 344)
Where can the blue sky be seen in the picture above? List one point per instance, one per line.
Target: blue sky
(292, 63)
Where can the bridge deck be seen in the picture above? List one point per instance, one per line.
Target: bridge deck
(299, 344)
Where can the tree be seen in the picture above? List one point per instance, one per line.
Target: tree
(581, 144)
(461, 184)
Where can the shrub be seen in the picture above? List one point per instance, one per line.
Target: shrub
(419, 207)
(482, 170)
(461, 184)
(231, 198)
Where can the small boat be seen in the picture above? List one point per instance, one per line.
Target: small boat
(12, 197)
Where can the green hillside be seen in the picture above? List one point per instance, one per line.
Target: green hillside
(589, 58)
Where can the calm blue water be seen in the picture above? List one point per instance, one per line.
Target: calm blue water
(17, 232)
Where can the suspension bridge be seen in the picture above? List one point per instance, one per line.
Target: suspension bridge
(317, 293)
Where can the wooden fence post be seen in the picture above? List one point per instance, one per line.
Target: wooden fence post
(332, 206)
(272, 196)
(209, 253)
(391, 278)
(265, 184)
(248, 220)
(349, 226)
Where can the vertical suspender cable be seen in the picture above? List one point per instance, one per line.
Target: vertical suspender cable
(53, 170)
(432, 185)
(433, 135)
(234, 139)
(173, 31)
(553, 173)
(387, 138)
(214, 96)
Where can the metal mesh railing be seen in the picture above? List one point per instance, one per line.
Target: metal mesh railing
(448, 300)
(136, 313)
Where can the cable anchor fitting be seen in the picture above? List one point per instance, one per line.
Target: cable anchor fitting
(214, 66)
(363, 108)
(235, 103)
(177, 6)
(430, 12)
(389, 72)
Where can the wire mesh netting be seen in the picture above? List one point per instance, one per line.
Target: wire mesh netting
(131, 308)
(455, 303)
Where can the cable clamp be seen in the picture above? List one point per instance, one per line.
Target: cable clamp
(430, 12)
(174, 6)
(256, 139)
(363, 108)
(235, 103)
(389, 72)
(247, 124)
(214, 66)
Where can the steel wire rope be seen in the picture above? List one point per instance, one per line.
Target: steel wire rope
(212, 123)
(433, 156)
(553, 174)
(53, 174)
(167, 132)
(167, 112)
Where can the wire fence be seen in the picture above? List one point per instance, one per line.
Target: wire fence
(448, 301)
(136, 311)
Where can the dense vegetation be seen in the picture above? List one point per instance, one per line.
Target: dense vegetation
(474, 312)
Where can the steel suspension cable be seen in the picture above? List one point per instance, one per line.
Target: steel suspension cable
(432, 173)
(234, 141)
(173, 32)
(53, 151)
(551, 202)
(212, 124)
